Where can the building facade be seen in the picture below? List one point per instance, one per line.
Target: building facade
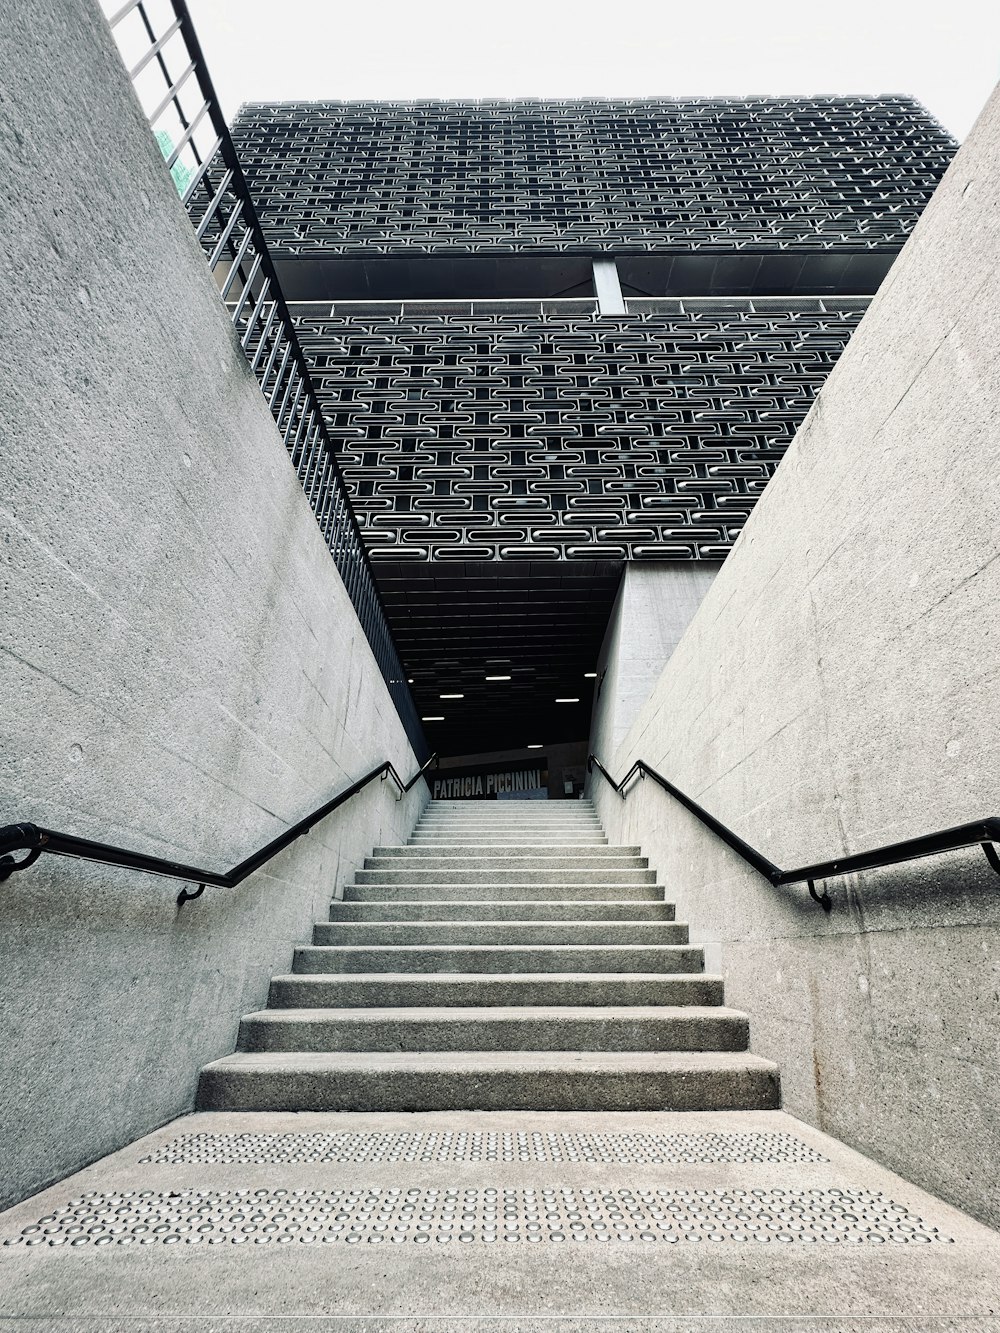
(554, 338)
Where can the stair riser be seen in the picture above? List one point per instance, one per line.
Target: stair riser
(358, 893)
(531, 958)
(412, 874)
(429, 910)
(553, 932)
(485, 830)
(520, 862)
(696, 1034)
(484, 851)
(519, 840)
(346, 992)
(416, 1090)
(478, 823)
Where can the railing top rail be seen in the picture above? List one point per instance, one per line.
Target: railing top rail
(983, 832)
(35, 840)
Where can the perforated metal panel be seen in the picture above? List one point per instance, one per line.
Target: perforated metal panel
(538, 433)
(535, 435)
(385, 177)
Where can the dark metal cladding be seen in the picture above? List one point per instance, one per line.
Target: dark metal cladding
(635, 175)
(551, 435)
(552, 337)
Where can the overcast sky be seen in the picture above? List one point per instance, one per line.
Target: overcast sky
(945, 53)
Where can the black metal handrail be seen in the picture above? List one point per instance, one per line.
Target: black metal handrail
(983, 832)
(161, 52)
(35, 841)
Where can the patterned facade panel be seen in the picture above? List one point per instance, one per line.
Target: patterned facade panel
(552, 436)
(364, 178)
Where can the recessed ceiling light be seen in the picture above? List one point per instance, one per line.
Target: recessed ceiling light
(409, 680)
(567, 701)
(535, 747)
(432, 719)
(590, 675)
(451, 696)
(498, 677)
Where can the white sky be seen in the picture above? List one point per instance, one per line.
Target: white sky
(944, 52)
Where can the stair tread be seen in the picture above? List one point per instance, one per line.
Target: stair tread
(404, 949)
(535, 902)
(505, 1013)
(478, 1062)
(532, 978)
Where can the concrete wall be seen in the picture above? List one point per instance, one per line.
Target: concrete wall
(180, 667)
(654, 606)
(836, 691)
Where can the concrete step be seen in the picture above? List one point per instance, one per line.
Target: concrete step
(415, 874)
(585, 850)
(432, 909)
(498, 1080)
(498, 958)
(487, 832)
(588, 825)
(444, 806)
(504, 858)
(650, 1028)
(523, 839)
(383, 990)
(508, 893)
(500, 932)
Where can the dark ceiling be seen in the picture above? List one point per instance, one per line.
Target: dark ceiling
(540, 623)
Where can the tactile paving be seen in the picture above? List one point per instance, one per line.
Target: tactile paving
(485, 1146)
(446, 1215)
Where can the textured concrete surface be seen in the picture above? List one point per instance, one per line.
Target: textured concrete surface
(423, 1032)
(494, 1080)
(180, 667)
(477, 988)
(829, 1273)
(832, 694)
(654, 606)
(532, 1028)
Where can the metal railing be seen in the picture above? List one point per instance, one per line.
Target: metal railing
(38, 841)
(165, 63)
(984, 833)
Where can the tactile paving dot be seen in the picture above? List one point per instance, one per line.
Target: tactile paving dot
(465, 1216)
(486, 1146)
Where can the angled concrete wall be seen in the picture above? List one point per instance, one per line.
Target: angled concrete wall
(655, 604)
(836, 691)
(180, 667)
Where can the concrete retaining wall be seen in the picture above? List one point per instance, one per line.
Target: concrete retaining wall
(180, 667)
(654, 606)
(836, 691)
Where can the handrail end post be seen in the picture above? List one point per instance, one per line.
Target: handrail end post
(185, 897)
(991, 856)
(823, 899)
(21, 837)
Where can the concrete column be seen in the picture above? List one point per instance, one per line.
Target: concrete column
(608, 288)
(655, 604)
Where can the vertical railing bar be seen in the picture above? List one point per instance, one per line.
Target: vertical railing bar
(238, 259)
(213, 205)
(245, 294)
(171, 96)
(185, 138)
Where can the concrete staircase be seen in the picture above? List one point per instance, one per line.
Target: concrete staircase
(507, 959)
